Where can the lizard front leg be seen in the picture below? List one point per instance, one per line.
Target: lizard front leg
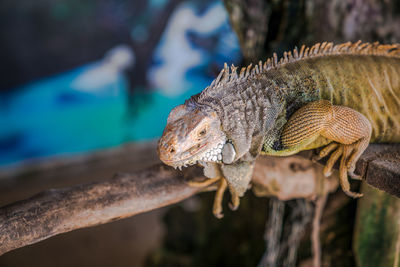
(321, 122)
(214, 174)
(219, 195)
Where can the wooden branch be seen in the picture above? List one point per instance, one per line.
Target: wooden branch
(58, 211)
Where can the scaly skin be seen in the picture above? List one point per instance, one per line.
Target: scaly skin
(342, 96)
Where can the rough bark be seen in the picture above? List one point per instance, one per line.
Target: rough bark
(62, 210)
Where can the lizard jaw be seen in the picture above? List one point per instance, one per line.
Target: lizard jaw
(213, 154)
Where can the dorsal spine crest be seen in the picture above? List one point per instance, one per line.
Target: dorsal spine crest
(229, 74)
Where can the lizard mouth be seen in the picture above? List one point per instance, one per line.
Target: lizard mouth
(213, 154)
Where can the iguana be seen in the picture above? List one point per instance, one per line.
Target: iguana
(340, 96)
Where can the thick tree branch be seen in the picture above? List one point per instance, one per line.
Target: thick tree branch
(58, 211)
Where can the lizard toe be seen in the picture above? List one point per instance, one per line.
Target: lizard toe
(332, 160)
(353, 194)
(354, 176)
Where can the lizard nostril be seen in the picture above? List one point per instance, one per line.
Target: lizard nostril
(172, 150)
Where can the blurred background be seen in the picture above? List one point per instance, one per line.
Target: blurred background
(78, 76)
(85, 90)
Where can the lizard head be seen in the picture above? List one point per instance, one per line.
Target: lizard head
(192, 135)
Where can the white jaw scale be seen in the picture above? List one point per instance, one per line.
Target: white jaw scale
(213, 154)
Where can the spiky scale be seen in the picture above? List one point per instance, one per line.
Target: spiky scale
(295, 53)
(248, 70)
(234, 74)
(290, 56)
(285, 57)
(322, 48)
(311, 51)
(316, 48)
(302, 51)
(217, 80)
(306, 52)
(242, 71)
(275, 59)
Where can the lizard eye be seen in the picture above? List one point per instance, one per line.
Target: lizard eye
(202, 132)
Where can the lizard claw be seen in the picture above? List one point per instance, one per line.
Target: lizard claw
(204, 183)
(353, 194)
(346, 166)
(219, 195)
(234, 205)
(325, 151)
(332, 160)
(344, 171)
(315, 158)
(218, 215)
(355, 176)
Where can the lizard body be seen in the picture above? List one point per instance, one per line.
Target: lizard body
(369, 84)
(342, 96)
